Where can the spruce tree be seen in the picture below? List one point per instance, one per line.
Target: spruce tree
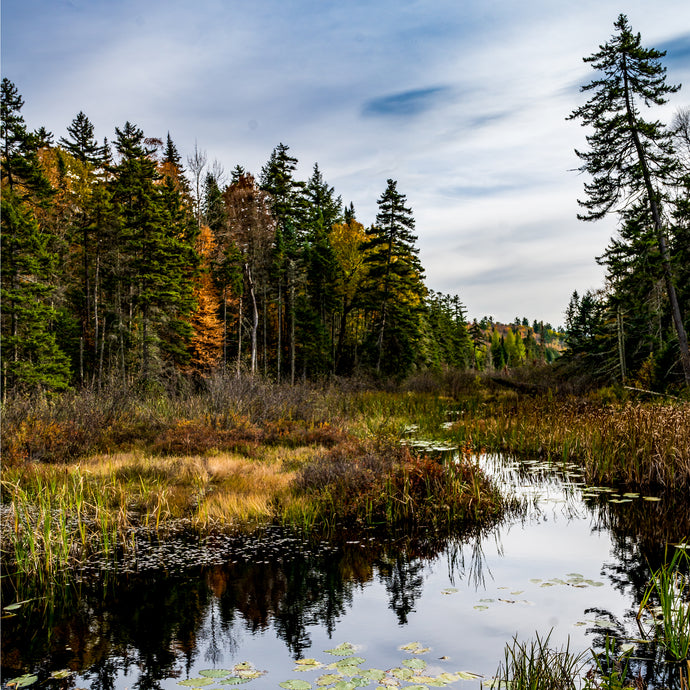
(31, 357)
(395, 287)
(630, 157)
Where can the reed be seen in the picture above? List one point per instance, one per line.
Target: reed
(666, 602)
(534, 665)
(641, 445)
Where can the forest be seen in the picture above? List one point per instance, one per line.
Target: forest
(121, 264)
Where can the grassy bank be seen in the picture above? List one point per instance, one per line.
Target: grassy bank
(82, 472)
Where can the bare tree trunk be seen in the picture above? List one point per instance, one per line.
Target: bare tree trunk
(255, 315)
(280, 326)
(292, 322)
(239, 339)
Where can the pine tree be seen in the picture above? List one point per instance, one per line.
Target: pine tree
(630, 157)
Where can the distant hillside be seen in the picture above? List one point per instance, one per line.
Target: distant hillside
(499, 345)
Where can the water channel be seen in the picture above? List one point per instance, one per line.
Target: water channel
(573, 561)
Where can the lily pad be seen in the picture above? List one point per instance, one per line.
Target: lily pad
(449, 590)
(307, 664)
(344, 649)
(417, 664)
(235, 680)
(22, 681)
(402, 673)
(352, 661)
(62, 674)
(344, 685)
(467, 675)
(373, 674)
(328, 679)
(480, 607)
(416, 687)
(195, 682)
(295, 685)
(215, 673)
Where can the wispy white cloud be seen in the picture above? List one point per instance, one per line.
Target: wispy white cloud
(463, 103)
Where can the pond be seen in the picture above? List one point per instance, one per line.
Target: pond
(572, 562)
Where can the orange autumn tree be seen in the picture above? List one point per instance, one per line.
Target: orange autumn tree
(207, 341)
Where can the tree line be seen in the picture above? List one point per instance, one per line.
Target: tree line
(118, 264)
(634, 329)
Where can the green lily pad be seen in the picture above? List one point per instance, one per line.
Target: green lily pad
(344, 685)
(235, 680)
(22, 681)
(295, 685)
(412, 647)
(416, 664)
(360, 682)
(307, 664)
(215, 673)
(62, 674)
(402, 673)
(328, 679)
(195, 682)
(480, 607)
(344, 649)
(416, 687)
(449, 590)
(467, 675)
(349, 662)
(373, 674)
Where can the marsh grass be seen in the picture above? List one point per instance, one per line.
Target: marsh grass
(533, 665)
(666, 602)
(374, 485)
(640, 445)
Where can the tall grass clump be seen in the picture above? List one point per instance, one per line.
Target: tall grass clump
(642, 445)
(534, 665)
(666, 603)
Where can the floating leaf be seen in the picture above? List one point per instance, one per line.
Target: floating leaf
(344, 649)
(467, 675)
(402, 673)
(195, 682)
(295, 685)
(411, 647)
(416, 687)
(350, 661)
(243, 666)
(449, 590)
(373, 674)
(481, 607)
(22, 681)
(651, 498)
(307, 664)
(235, 680)
(535, 580)
(418, 664)
(61, 675)
(344, 685)
(215, 673)
(360, 682)
(328, 679)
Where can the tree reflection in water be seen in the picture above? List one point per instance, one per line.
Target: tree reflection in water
(158, 626)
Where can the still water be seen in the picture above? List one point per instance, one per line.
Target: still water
(573, 561)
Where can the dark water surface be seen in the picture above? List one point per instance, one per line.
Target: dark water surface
(570, 563)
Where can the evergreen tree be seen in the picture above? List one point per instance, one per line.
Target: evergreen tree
(630, 157)
(31, 357)
(157, 250)
(82, 143)
(395, 288)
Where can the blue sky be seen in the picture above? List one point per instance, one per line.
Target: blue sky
(462, 102)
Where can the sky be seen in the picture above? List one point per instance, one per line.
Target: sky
(462, 102)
